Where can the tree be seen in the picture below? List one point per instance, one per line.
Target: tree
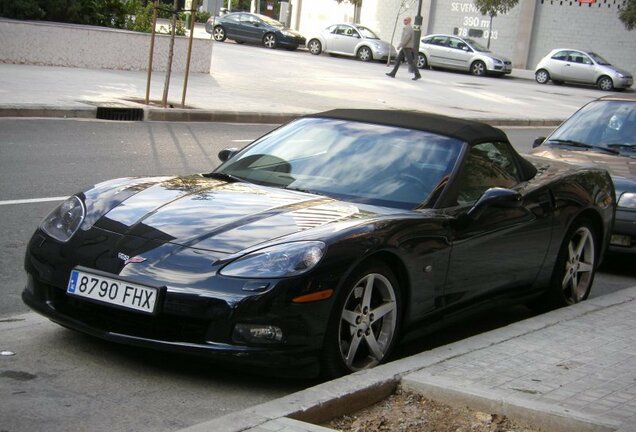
(492, 8)
(628, 14)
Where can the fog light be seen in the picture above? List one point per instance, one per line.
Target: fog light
(257, 333)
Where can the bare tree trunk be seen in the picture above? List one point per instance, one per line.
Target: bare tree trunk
(166, 84)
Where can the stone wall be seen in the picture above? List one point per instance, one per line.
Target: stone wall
(54, 44)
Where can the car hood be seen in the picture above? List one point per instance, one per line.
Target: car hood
(222, 216)
(618, 166)
(612, 69)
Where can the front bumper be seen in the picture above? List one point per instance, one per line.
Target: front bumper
(172, 332)
(624, 83)
(291, 41)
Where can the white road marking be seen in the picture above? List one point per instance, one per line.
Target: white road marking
(33, 200)
(243, 140)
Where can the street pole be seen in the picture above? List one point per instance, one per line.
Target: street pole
(417, 31)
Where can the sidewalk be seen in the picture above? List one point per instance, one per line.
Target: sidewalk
(572, 369)
(237, 92)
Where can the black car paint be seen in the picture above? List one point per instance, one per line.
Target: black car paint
(446, 263)
(247, 32)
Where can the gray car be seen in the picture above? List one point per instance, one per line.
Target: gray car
(603, 133)
(583, 67)
(453, 52)
(351, 40)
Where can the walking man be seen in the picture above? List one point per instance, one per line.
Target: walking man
(406, 51)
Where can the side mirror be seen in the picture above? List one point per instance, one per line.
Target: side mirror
(538, 142)
(495, 197)
(225, 154)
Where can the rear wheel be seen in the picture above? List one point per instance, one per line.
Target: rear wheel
(542, 76)
(364, 54)
(270, 41)
(314, 46)
(218, 33)
(605, 83)
(421, 61)
(575, 267)
(363, 327)
(478, 68)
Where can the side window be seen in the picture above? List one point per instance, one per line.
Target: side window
(341, 30)
(487, 165)
(561, 55)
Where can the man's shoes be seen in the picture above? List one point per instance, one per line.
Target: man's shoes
(415, 78)
(389, 74)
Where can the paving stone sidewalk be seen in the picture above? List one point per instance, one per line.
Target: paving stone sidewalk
(572, 369)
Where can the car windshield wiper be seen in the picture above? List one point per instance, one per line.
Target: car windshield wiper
(573, 143)
(623, 146)
(224, 176)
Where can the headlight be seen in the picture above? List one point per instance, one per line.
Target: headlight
(286, 33)
(282, 260)
(497, 61)
(65, 220)
(619, 75)
(627, 200)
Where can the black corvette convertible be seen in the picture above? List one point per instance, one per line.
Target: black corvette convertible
(323, 243)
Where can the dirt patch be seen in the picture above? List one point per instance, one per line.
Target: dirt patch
(412, 412)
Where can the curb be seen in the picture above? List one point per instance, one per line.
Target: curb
(197, 115)
(345, 395)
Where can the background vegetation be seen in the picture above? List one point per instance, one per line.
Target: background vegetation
(133, 15)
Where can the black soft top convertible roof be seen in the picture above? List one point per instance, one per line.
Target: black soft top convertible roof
(468, 131)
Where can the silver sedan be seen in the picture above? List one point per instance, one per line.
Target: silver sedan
(584, 67)
(351, 40)
(453, 52)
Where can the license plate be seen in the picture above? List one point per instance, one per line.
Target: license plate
(114, 292)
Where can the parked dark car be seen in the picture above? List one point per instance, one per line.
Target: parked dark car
(254, 28)
(603, 134)
(323, 243)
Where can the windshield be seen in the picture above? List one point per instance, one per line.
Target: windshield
(477, 46)
(598, 59)
(351, 161)
(603, 124)
(367, 33)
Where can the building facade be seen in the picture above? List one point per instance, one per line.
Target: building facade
(525, 34)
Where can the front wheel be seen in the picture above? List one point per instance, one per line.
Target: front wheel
(314, 46)
(605, 83)
(542, 76)
(270, 41)
(218, 33)
(478, 68)
(575, 265)
(364, 324)
(421, 61)
(364, 54)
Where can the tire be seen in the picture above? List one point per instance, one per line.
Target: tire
(421, 61)
(314, 46)
(357, 338)
(364, 54)
(542, 76)
(605, 83)
(270, 40)
(478, 68)
(218, 33)
(575, 266)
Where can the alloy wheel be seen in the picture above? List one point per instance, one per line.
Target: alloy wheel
(579, 266)
(314, 47)
(605, 83)
(269, 40)
(364, 54)
(542, 76)
(368, 322)
(478, 68)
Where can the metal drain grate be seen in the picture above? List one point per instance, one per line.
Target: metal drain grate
(120, 113)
